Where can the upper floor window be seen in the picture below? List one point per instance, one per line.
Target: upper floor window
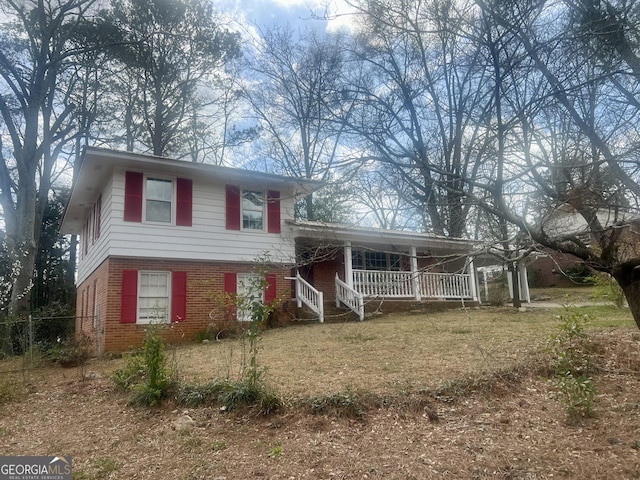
(161, 201)
(158, 200)
(252, 210)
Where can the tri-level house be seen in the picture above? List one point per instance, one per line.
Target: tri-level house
(162, 240)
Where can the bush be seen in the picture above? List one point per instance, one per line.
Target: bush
(70, 352)
(146, 374)
(573, 363)
(580, 274)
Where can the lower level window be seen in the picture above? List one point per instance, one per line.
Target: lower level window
(154, 297)
(250, 290)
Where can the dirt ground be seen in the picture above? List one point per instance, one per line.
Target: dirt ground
(510, 426)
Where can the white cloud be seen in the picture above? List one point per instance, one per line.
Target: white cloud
(330, 15)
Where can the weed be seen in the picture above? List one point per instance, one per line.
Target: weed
(10, 389)
(218, 445)
(347, 403)
(201, 395)
(105, 466)
(276, 451)
(249, 393)
(146, 375)
(572, 357)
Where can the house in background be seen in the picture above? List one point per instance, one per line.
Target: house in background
(163, 240)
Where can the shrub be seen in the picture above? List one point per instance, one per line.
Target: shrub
(608, 289)
(70, 352)
(580, 274)
(146, 374)
(573, 363)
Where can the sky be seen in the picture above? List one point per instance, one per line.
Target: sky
(295, 12)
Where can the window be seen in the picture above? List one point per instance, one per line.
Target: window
(245, 210)
(249, 289)
(252, 210)
(158, 194)
(159, 198)
(154, 297)
(376, 261)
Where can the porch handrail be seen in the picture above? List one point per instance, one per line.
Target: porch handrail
(445, 285)
(401, 284)
(349, 297)
(312, 298)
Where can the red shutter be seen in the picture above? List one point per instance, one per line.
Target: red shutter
(129, 305)
(233, 208)
(184, 203)
(178, 296)
(271, 291)
(133, 197)
(230, 283)
(273, 211)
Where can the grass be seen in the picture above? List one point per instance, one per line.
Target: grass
(393, 352)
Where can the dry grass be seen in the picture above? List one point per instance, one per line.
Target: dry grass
(387, 354)
(505, 430)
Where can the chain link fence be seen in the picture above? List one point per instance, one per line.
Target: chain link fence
(28, 342)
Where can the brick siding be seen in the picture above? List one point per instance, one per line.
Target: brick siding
(205, 285)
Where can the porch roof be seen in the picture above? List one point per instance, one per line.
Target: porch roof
(316, 232)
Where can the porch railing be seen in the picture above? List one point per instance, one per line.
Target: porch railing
(345, 295)
(399, 284)
(445, 285)
(312, 298)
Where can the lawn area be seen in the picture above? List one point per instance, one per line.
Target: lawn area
(510, 426)
(392, 353)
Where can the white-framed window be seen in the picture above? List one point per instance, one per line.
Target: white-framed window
(381, 261)
(154, 297)
(249, 289)
(158, 200)
(253, 210)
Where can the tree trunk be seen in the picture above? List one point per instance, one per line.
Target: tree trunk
(628, 277)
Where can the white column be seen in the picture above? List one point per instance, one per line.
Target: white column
(472, 280)
(415, 275)
(348, 264)
(524, 282)
(510, 282)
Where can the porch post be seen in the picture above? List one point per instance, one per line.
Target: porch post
(472, 280)
(524, 283)
(348, 264)
(415, 279)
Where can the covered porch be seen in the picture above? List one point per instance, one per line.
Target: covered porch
(348, 267)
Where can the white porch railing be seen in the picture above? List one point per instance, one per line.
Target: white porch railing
(445, 285)
(399, 284)
(312, 298)
(349, 297)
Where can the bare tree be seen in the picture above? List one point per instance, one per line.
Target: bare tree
(294, 91)
(589, 177)
(421, 101)
(36, 51)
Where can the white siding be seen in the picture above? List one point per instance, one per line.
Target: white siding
(207, 239)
